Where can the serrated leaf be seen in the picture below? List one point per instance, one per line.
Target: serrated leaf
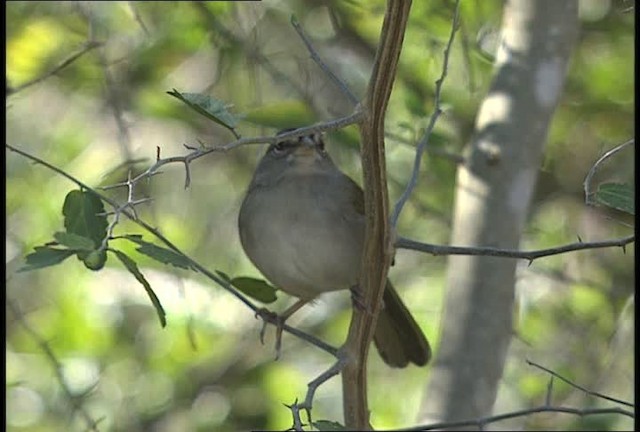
(326, 425)
(616, 195)
(213, 109)
(74, 241)
(160, 254)
(84, 216)
(45, 256)
(255, 288)
(135, 271)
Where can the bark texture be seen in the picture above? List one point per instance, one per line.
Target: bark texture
(494, 189)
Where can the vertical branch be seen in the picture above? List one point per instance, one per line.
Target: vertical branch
(378, 243)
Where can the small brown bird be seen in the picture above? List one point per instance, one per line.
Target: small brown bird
(302, 225)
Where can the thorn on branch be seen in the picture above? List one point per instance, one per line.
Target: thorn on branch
(157, 153)
(547, 399)
(106, 213)
(113, 186)
(140, 201)
(187, 174)
(576, 386)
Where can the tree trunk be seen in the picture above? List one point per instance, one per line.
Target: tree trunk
(494, 189)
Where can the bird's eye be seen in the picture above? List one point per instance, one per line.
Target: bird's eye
(279, 147)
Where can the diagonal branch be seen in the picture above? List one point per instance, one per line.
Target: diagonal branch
(86, 47)
(197, 266)
(579, 387)
(316, 57)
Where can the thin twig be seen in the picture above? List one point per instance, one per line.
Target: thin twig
(253, 53)
(194, 264)
(55, 363)
(482, 422)
(413, 181)
(86, 47)
(200, 152)
(587, 181)
(311, 391)
(326, 69)
(579, 387)
(405, 243)
(138, 18)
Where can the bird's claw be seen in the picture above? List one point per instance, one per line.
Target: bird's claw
(269, 317)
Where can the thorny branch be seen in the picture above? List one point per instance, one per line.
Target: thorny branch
(582, 389)
(405, 243)
(203, 151)
(123, 209)
(482, 422)
(547, 407)
(307, 404)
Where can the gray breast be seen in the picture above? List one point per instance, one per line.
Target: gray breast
(303, 242)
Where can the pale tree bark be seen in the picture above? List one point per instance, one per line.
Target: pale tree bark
(493, 194)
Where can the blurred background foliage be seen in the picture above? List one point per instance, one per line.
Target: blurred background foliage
(108, 111)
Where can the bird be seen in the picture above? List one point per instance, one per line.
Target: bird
(302, 224)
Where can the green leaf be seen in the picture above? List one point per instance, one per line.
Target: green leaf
(213, 109)
(326, 425)
(160, 254)
(255, 288)
(84, 216)
(45, 256)
(135, 271)
(74, 241)
(616, 195)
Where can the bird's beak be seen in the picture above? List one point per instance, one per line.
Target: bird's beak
(307, 146)
(308, 141)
